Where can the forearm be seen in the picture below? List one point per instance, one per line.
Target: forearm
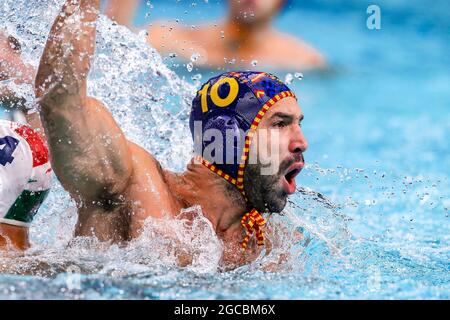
(10, 99)
(14, 72)
(65, 63)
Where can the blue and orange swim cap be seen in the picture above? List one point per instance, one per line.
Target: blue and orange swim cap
(234, 102)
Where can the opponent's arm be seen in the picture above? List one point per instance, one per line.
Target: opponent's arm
(12, 68)
(8, 97)
(89, 152)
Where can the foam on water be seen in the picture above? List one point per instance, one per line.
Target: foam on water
(332, 259)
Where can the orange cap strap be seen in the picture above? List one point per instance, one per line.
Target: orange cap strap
(253, 221)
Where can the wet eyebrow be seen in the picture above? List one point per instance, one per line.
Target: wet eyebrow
(285, 116)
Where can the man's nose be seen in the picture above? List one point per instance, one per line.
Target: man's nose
(298, 143)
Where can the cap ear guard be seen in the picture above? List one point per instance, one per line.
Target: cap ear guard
(226, 152)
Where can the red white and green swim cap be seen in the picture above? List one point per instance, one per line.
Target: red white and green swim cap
(25, 173)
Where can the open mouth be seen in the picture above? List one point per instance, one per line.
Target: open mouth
(292, 174)
(289, 185)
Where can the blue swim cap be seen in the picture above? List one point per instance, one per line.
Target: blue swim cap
(232, 102)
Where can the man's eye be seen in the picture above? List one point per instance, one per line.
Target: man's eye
(279, 124)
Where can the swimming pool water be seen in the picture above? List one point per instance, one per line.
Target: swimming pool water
(378, 125)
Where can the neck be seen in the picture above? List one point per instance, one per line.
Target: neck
(221, 202)
(244, 35)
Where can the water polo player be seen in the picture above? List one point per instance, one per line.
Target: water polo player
(117, 184)
(25, 173)
(25, 178)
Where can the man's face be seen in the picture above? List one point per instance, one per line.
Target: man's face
(275, 157)
(250, 11)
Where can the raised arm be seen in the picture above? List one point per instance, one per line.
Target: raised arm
(89, 152)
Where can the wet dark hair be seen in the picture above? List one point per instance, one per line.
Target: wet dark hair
(14, 44)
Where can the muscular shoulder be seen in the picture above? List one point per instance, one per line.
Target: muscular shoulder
(297, 53)
(143, 156)
(162, 34)
(147, 171)
(148, 192)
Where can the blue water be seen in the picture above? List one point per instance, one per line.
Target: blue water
(385, 109)
(378, 124)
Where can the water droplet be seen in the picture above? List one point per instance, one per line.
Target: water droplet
(172, 55)
(254, 62)
(288, 78)
(195, 56)
(189, 66)
(196, 77)
(298, 75)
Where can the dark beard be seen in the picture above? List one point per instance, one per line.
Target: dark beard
(264, 192)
